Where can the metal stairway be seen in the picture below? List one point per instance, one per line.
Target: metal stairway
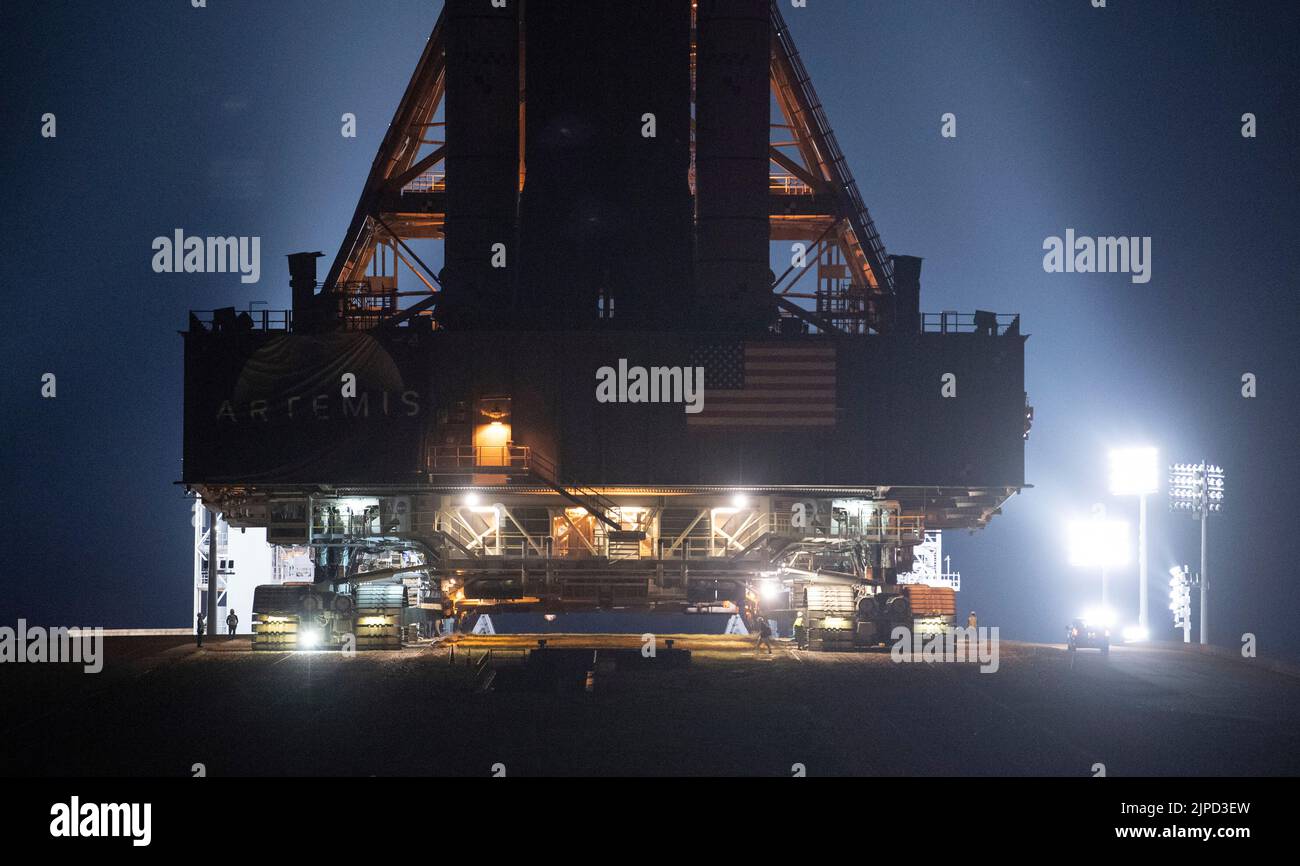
(822, 152)
(543, 469)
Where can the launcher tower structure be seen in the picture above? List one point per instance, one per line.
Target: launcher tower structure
(573, 187)
(741, 154)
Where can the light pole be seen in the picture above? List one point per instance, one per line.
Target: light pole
(1180, 600)
(1197, 489)
(1098, 543)
(1135, 472)
(1205, 580)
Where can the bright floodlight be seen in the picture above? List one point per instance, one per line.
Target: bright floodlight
(1098, 543)
(1134, 471)
(1099, 616)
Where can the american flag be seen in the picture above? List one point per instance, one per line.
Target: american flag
(774, 384)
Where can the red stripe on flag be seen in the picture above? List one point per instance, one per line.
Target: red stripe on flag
(785, 387)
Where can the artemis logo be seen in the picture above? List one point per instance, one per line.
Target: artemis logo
(75, 818)
(196, 255)
(652, 385)
(1098, 256)
(323, 407)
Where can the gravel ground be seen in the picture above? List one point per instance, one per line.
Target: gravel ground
(160, 706)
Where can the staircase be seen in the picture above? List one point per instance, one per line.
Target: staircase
(626, 545)
(794, 78)
(543, 469)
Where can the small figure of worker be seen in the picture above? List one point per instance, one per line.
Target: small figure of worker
(764, 635)
(232, 623)
(800, 631)
(970, 620)
(198, 626)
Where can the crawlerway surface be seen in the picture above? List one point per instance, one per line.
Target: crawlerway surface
(161, 705)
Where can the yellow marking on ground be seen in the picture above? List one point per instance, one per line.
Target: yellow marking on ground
(693, 642)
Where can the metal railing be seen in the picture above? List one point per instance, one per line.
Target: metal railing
(480, 458)
(946, 580)
(360, 304)
(464, 535)
(253, 320)
(952, 322)
(488, 530)
(885, 528)
(787, 184)
(432, 181)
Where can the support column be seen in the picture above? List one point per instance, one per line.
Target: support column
(1142, 562)
(1205, 579)
(213, 516)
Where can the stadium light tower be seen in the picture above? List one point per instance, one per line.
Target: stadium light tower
(1197, 489)
(1098, 543)
(1180, 600)
(1136, 472)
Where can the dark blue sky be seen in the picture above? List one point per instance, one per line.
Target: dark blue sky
(1121, 121)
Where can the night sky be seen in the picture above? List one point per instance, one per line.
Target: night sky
(1117, 121)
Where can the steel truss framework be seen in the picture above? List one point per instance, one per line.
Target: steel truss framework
(503, 543)
(813, 199)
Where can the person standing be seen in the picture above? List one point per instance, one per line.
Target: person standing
(198, 626)
(232, 622)
(764, 635)
(970, 620)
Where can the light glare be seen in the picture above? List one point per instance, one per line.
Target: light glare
(1134, 471)
(1098, 543)
(1099, 616)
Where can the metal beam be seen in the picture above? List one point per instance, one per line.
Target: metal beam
(409, 251)
(396, 154)
(796, 169)
(808, 316)
(395, 184)
(704, 512)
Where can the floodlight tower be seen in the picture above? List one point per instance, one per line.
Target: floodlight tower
(1098, 543)
(1180, 600)
(1197, 488)
(1135, 472)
